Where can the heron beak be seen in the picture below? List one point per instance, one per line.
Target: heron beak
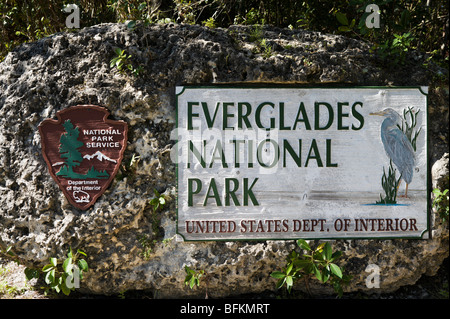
(381, 113)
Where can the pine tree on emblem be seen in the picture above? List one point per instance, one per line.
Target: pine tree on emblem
(68, 149)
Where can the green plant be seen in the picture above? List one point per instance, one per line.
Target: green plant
(119, 60)
(390, 186)
(192, 277)
(393, 51)
(6, 288)
(345, 25)
(440, 203)
(443, 293)
(24, 21)
(407, 128)
(148, 242)
(210, 23)
(122, 62)
(158, 201)
(60, 276)
(8, 252)
(256, 35)
(318, 262)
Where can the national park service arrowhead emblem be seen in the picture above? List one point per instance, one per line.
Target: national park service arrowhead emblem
(83, 150)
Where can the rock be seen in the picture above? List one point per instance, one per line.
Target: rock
(118, 232)
(439, 171)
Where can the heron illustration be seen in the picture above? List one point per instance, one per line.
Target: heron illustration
(397, 145)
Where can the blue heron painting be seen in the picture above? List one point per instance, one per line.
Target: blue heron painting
(397, 145)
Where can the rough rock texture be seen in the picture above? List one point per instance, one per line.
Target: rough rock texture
(65, 69)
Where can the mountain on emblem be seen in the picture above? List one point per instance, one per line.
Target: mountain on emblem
(83, 151)
(100, 156)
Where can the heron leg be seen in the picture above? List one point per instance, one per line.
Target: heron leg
(406, 191)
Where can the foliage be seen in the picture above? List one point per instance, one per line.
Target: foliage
(210, 23)
(440, 203)
(8, 253)
(404, 25)
(128, 168)
(192, 277)
(318, 262)
(123, 64)
(389, 182)
(408, 126)
(390, 186)
(61, 275)
(11, 290)
(262, 47)
(158, 201)
(394, 51)
(148, 242)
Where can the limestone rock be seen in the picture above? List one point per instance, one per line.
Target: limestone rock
(38, 79)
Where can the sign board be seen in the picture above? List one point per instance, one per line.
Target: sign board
(287, 163)
(83, 150)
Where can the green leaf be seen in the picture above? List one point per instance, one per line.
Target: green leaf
(344, 28)
(325, 275)
(281, 282)
(81, 252)
(352, 24)
(47, 268)
(112, 63)
(69, 254)
(277, 274)
(189, 270)
(31, 273)
(64, 288)
(405, 18)
(335, 269)
(50, 277)
(289, 281)
(83, 265)
(302, 263)
(53, 261)
(342, 18)
(336, 255)
(437, 191)
(289, 269)
(67, 265)
(303, 244)
(327, 252)
(317, 273)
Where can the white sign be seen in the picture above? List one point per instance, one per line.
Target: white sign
(287, 163)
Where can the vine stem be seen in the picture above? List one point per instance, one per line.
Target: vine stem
(307, 285)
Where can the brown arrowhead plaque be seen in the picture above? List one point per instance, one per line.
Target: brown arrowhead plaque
(83, 151)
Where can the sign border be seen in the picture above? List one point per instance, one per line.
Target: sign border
(179, 89)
